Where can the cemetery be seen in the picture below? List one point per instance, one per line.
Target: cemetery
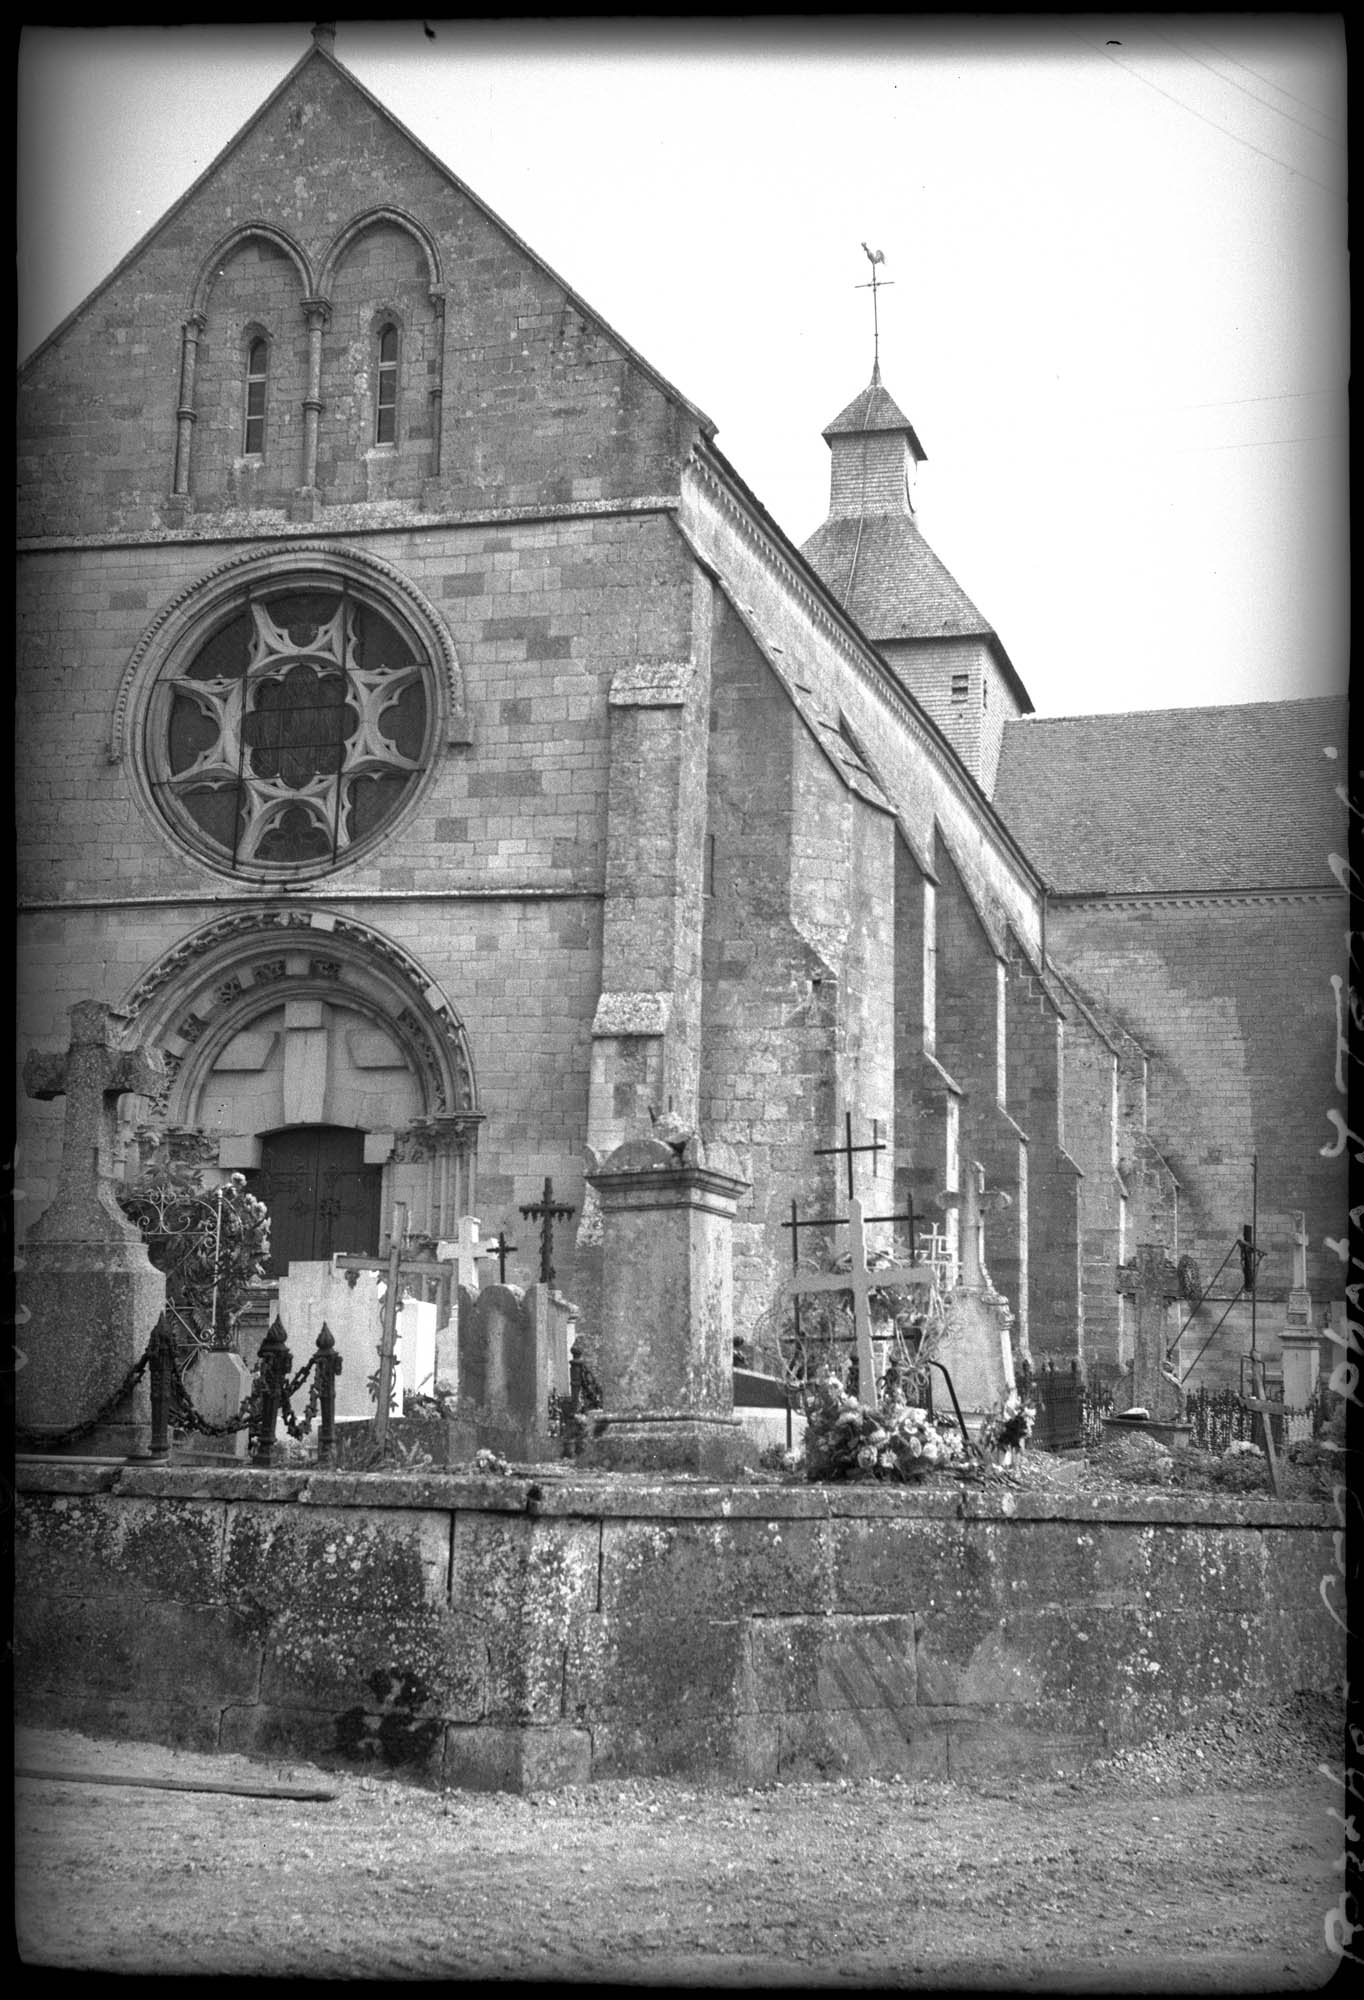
(633, 1595)
(619, 1142)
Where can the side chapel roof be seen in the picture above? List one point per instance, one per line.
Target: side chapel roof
(1228, 798)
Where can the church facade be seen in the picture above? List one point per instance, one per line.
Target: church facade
(433, 748)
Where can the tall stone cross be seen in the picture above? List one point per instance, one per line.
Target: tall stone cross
(392, 1268)
(862, 1281)
(547, 1211)
(93, 1074)
(973, 1203)
(87, 1292)
(1152, 1281)
(1299, 1297)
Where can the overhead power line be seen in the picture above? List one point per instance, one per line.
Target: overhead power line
(1212, 123)
(1227, 56)
(1253, 95)
(1252, 444)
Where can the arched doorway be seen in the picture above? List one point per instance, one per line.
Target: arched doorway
(322, 1194)
(280, 1022)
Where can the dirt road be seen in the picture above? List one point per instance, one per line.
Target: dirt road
(1203, 1865)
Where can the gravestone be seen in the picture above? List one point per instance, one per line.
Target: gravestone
(513, 1350)
(352, 1307)
(415, 1372)
(975, 1344)
(217, 1383)
(87, 1293)
(666, 1346)
(1152, 1283)
(467, 1256)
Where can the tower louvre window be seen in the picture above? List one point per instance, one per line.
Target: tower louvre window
(386, 401)
(961, 686)
(257, 374)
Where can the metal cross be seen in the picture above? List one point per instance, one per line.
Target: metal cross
(547, 1211)
(847, 1149)
(499, 1247)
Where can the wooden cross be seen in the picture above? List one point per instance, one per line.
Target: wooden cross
(547, 1211)
(93, 1074)
(1265, 1412)
(862, 1281)
(847, 1149)
(392, 1267)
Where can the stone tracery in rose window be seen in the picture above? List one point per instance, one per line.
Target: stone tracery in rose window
(295, 732)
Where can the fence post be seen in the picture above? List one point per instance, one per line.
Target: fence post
(161, 1364)
(326, 1368)
(273, 1363)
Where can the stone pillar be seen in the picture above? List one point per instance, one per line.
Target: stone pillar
(1152, 1281)
(88, 1294)
(185, 413)
(976, 1346)
(665, 1355)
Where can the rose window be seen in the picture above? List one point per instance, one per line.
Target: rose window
(294, 733)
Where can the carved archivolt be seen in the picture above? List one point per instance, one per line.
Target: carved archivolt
(215, 982)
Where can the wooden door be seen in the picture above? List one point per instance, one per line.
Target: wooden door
(321, 1195)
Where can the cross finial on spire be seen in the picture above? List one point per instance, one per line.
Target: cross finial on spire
(875, 257)
(324, 34)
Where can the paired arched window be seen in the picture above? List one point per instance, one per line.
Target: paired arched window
(386, 392)
(257, 377)
(257, 386)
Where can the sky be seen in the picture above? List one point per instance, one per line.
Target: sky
(1116, 293)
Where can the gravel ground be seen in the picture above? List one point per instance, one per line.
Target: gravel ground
(1204, 1864)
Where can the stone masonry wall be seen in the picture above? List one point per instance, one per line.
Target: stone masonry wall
(914, 772)
(539, 404)
(509, 1635)
(1215, 990)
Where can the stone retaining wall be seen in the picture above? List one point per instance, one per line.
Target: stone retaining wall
(518, 1633)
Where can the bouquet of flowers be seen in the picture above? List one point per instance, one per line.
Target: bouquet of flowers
(846, 1440)
(1008, 1426)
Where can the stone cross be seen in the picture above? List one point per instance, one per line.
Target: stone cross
(93, 1074)
(88, 1296)
(1299, 1298)
(1152, 1281)
(466, 1253)
(974, 1202)
(861, 1281)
